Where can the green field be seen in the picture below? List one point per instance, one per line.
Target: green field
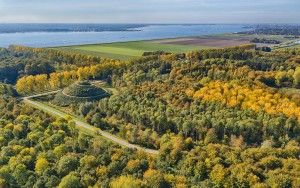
(128, 50)
(134, 49)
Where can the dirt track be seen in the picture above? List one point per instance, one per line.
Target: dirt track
(55, 112)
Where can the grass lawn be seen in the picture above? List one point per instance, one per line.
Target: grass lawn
(128, 50)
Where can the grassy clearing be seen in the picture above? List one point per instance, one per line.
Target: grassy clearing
(128, 50)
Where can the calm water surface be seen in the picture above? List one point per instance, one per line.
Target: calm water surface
(48, 39)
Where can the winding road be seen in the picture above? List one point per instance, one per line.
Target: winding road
(58, 113)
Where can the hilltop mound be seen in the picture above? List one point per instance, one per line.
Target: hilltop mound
(79, 92)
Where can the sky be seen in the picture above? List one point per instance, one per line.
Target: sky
(149, 11)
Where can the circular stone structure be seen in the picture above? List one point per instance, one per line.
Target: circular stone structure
(79, 92)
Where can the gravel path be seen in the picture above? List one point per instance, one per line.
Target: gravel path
(52, 111)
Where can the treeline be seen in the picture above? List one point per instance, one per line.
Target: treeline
(13, 65)
(226, 60)
(106, 70)
(39, 83)
(242, 52)
(265, 41)
(18, 61)
(275, 30)
(58, 56)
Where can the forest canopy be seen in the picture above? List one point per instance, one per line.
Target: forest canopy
(218, 118)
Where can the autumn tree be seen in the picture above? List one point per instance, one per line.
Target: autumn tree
(70, 180)
(125, 182)
(41, 165)
(296, 77)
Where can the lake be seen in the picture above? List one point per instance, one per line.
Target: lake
(75, 34)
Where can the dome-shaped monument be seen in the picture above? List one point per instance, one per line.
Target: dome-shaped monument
(79, 92)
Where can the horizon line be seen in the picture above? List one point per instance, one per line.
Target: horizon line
(140, 23)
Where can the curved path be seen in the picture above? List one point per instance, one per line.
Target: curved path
(55, 112)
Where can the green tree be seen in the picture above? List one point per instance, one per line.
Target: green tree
(70, 181)
(67, 163)
(155, 179)
(21, 174)
(219, 175)
(296, 77)
(211, 137)
(41, 165)
(125, 182)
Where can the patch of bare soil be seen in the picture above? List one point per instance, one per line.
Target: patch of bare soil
(210, 42)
